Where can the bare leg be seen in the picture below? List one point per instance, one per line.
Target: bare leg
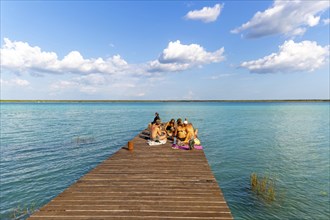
(162, 137)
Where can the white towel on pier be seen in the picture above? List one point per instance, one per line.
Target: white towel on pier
(154, 143)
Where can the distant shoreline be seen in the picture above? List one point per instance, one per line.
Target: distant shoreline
(152, 101)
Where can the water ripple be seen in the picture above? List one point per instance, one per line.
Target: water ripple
(47, 147)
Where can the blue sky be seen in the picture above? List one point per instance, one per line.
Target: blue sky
(168, 50)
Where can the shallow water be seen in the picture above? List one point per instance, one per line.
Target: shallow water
(45, 147)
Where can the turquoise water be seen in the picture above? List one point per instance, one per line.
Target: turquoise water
(46, 147)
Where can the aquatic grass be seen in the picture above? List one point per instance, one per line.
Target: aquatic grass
(23, 212)
(263, 186)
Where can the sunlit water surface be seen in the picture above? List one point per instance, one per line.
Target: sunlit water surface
(47, 147)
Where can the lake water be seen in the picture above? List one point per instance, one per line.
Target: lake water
(45, 147)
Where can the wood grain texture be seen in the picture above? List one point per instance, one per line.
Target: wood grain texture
(155, 182)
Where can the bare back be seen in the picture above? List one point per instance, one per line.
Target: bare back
(155, 133)
(191, 132)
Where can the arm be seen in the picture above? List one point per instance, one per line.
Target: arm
(188, 135)
(166, 125)
(159, 132)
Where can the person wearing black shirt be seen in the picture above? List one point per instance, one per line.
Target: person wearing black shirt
(156, 118)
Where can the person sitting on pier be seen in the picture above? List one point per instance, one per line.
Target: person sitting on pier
(191, 132)
(156, 118)
(156, 133)
(154, 121)
(180, 132)
(170, 128)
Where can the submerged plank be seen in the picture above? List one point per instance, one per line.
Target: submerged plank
(147, 183)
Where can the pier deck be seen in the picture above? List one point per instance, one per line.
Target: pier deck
(155, 182)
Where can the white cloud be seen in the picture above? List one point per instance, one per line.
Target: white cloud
(216, 77)
(20, 57)
(95, 83)
(15, 82)
(291, 57)
(206, 14)
(326, 21)
(74, 84)
(87, 83)
(156, 66)
(21, 82)
(193, 53)
(179, 57)
(122, 85)
(92, 79)
(63, 84)
(284, 17)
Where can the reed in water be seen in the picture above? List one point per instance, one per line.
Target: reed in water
(263, 186)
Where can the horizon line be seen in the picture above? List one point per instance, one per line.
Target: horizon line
(167, 100)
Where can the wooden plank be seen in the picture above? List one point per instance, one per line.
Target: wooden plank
(147, 183)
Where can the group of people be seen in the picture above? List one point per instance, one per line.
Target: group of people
(178, 131)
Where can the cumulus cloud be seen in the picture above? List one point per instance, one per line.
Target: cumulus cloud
(20, 57)
(179, 57)
(291, 57)
(291, 18)
(206, 14)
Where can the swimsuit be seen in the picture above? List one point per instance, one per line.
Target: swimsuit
(181, 138)
(169, 128)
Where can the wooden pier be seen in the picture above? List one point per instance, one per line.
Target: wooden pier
(155, 182)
